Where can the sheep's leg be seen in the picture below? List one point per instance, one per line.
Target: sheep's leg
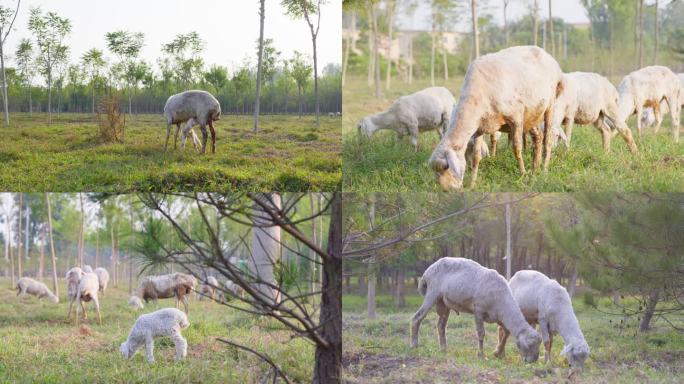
(675, 111)
(537, 140)
(418, 317)
(203, 128)
(168, 133)
(546, 338)
(443, 312)
(639, 111)
(71, 303)
(85, 313)
(626, 134)
(501, 346)
(548, 121)
(97, 310)
(175, 135)
(567, 127)
(149, 348)
(414, 132)
(479, 324)
(180, 343)
(517, 137)
(185, 303)
(213, 136)
(493, 141)
(658, 116)
(605, 133)
(477, 156)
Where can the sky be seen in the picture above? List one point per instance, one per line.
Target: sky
(229, 28)
(569, 10)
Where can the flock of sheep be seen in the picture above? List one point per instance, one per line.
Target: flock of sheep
(530, 298)
(85, 285)
(522, 90)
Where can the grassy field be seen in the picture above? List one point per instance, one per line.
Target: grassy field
(385, 163)
(377, 351)
(38, 344)
(289, 154)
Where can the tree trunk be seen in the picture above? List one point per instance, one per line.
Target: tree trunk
(655, 34)
(4, 79)
(432, 56)
(553, 42)
(446, 64)
(41, 262)
(314, 261)
(97, 247)
(347, 49)
(262, 15)
(371, 56)
(641, 33)
(81, 240)
(371, 267)
(93, 97)
(476, 32)
(505, 20)
(410, 70)
(645, 324)
(130, 246)
(266, 248)
(52, 246)
(508, 241)
(49, 85)
(535, 23)
(20, 272)
(376, 52)
(113, 261)
(572, 284)
(328, 361)
(390, 21)
(399, 298)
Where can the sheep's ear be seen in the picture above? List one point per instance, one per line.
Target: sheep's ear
(566, 349)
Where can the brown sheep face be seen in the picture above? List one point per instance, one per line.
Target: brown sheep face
(449, 166)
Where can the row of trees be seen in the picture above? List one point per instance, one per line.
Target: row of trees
(616, 244)
(622, 35)
(291, 85)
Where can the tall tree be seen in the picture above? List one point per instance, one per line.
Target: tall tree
(7, 17)
(309, 9)
(655, 32)
(49, 31)
(126, 46)
(26, 67)
(266, 246)
(390, 8)
(260, 56)
(507, 32)
(553, 42)
(93, 62)
(55, 287)
(301, 72)
(534, 9)
(476, 32)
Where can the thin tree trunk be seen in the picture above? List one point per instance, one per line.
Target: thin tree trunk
(41, 261)
(55, 287)
(347, 49)
(641, 33)
(49, 84)
(655, 34)
(314, 236)
(257, 101)
(505, 20)
(399, 297)
(4, 79)
(371, 56)
(508, 240)
(20, 271)
(645, 324)
(535, 23)
(81, 238)
(410, 74)
(266, 248)
(476, 32)
(432, 56)
(97, 247)
(371, 267)
(572, 284)
(130, 246)
(390, 21)
(553, 42)
(446, 64)
(113, 261)
(376, 52)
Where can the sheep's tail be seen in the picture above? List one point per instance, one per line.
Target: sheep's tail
(422, 286)
(560, 87)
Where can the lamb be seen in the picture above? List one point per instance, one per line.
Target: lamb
(103, 279)
(198, 105)
(208, 288)
(196, 143)
(27, 285)
(73, 277)
(589, 98)
(648, 119)
(176, 285)
(422, 111)
(512, 91)
(462, 285)
(164, 322)
(648, 87)
(87, 269)
(547, 303)
(87, 291)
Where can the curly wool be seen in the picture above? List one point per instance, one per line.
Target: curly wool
(164, 322)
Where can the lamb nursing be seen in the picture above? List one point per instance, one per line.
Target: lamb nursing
(463, 285)
(425, 110)
(512, 90)
(545, 302)
(198, 105)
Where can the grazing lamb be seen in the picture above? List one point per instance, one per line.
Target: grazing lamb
(164, 322)
(196, 143)
(198, 105)
(176, 285)
(208, 288)
(27, 285)
(135, 302)
(545, 302)
(87, 269)
(103, 279)
(87, 291)
(73, 277)
(648, 87)
(418, 112)
(589, 98)
(513, 91)
(649, 120)
(462, 285)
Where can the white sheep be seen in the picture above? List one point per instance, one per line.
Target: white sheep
(589, 98)
(513, 91)
(418, 112)
(73, 277)
(648, 87)
(648, 119)
(87, 269)
(199, 105)
(27, 285)
(545, 302)
(208, 288)
(135, 302)
(462, 285)
(196, 143)
(103, 279)
(164, 322)
(177, 285)
(87, 291)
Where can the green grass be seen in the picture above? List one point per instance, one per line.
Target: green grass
(377, 351)
(289, 154)
(385, 163)
(39, 344)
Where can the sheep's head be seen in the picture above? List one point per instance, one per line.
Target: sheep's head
(125, 350)
(135, 302)
(528, 344)
(53, 298)
(576, 353)
(449, 165)
(366, 128)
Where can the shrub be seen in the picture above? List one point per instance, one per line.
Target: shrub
(111, 119)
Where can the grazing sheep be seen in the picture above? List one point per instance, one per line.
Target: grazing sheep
(545, 302)
(232, 289)
(87, 291)
(512, 91)
(418, 112)
(208, 288)
(198, 105)
(164, 322)
(648, 87)
(331, 114)
(87, 269)
(103, 279)
(462, 285)
(73, 277)
(135, 302)
(648, 119)
(176, 285)
(196, 143)
(589, 98)
(338, 114)
(27, 285)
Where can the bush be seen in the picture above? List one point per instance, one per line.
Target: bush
(589, 300)
(111, 120)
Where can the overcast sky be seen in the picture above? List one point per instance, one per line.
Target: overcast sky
(229, 28)
(569, 10)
